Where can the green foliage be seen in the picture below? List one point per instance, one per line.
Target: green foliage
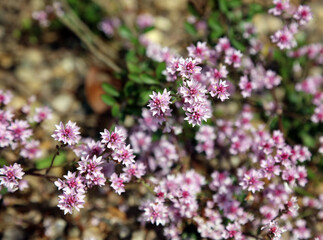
(2, 162)
(190, 28)
(107, 99)
(125, 32)
(88, 11)
(44, 163)
(109, 89)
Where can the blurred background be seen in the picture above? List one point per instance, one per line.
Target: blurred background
(63, 64)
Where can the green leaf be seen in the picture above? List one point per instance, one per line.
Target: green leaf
(144, 97)
(108, 88)
(311, 175)
(133, 68)
(3, 191)
(45, 162)
(160, 68)
(223, 6)
(308, 140)
(234, 3)
(128, 88)
(108, 100)
(135, 78)
(125, 32)
(215, 25)
(238, 45)
(192, 10)
(115, 110)
(148, 29)
(2, 162)
(254, 8)
(131, 57)
(148, 79)
(190, 28)
(303, 192)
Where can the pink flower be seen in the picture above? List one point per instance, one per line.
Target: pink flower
(321, 145)
(233, 230)
(31, 150)
(251, 181)
(278, 138)
(10, 176)
(145, 20)
(173, 66)
(284, 38)
(41, 17)
(220, 74)
(159, 105)
(156, 213)
(290, 175)
(268, 213)
(271, 79)
(68, 134)
(219, 89)
(303, 14)
(246, 86)
(6, 137)
(136, 169)
(269, 168)
(114, 140)
(71, 182)
(274, 230)
(117, 183)
(233, 57)
(165, 153)
(318, 114)
(301, 232)
(5, 97)
(188, 67)
(200, 52)
(108, 26)
(292, 206)
(5, 117)
(196, 114)
(71, 199)
(148, 122)
(20, 130)
(192, 92)
(42, 113)
(248, 30)
(140, 141)
(124, 155)
(90, 166)
(223, 45)
(280, 7)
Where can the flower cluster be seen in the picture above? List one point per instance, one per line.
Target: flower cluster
(44, 16)
(257, 78)
(17, 134)
(295, 16)
(175, 199)
(235, 177)
(197, 82)
(313, 85)
(109, 25)
(10, 176)
(97, 162)
(159, 106)
(313, 52)
(68, 134)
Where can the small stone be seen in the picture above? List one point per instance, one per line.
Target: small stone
(13, 233)
(62, 103)
(138, 235)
